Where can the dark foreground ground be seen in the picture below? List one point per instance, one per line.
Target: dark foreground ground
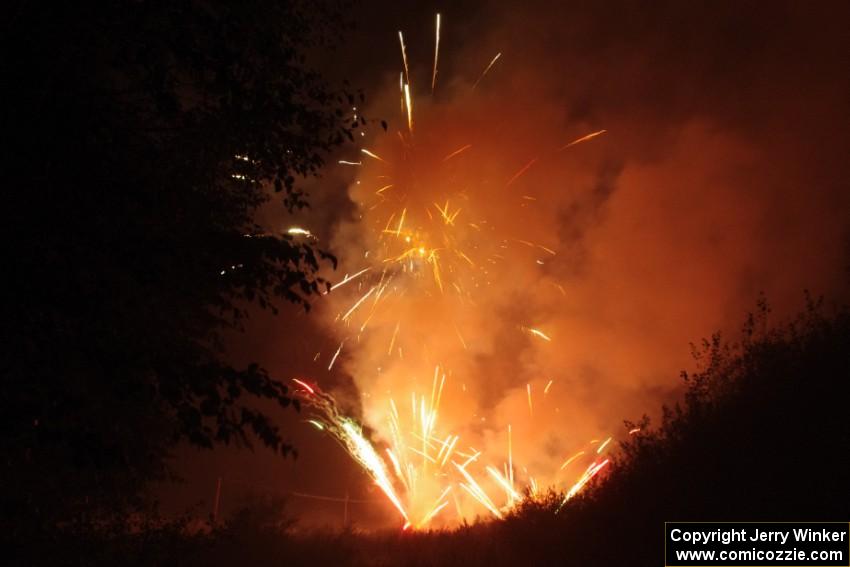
(762, 434)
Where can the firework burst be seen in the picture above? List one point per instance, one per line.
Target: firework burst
(430, 245)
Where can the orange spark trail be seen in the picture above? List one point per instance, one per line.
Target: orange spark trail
(457, 152)
(475, 490)
(436, 55)
(373, 463)
(540, 334)
(503, 482)
(401, 89)
(459, 336)
(392, 341)
(510, 457)
(409, 107)
(373, 156)
(304, 385)
(583, 139)
(496, 58)
(519, 173)
(359, 301)
(347, 279)
(571, 459)
(336, 354)
(589, 474)
(404, 56)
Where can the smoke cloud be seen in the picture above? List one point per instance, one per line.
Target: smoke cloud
(722, 174)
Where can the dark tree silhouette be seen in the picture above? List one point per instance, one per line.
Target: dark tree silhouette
(142, 137)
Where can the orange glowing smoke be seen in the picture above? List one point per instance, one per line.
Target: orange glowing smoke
(441, 240)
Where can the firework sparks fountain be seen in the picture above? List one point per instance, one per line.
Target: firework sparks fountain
(428, 247)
